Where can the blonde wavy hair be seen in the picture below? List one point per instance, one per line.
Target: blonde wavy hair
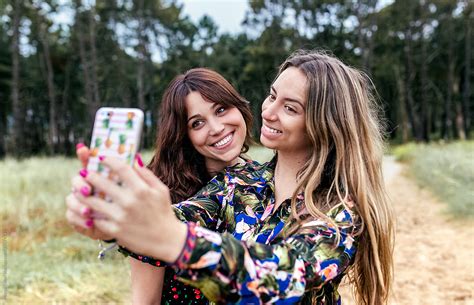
(343, 125)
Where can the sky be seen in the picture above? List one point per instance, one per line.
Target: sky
(227, 14)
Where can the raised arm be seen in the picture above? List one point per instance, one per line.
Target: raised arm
(225, 268)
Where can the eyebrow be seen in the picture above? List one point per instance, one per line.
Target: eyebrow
(290, 99)
(198, 114)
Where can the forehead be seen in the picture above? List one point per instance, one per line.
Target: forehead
(292, 83)
(195, 102)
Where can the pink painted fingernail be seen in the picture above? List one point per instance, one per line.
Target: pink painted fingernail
(101, 158)
(85, 191)
(139, 159)
(83, 172)
(89, 223)
(79, 146)
(86, 211)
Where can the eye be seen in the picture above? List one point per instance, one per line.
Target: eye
(220, 109)
(196, 124)
(272, 97)
(290, 109)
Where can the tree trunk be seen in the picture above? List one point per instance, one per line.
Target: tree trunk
(447, 122)
(402, 113)
(17, 107)
(53, 134)
(467, 69)
(366, 16)
(424, 111)
(460, 122)
(65, 121)
(141, 68)
(370, 40)
(93, 52)
(85, 65)
(2, 139)
(409, 78)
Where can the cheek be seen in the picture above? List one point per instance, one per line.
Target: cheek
(265, 104)
(236, 118)
(304, 134)
(299, 128)
(196, 137)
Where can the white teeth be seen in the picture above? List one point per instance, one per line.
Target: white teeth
(223, 141)
(272, 130)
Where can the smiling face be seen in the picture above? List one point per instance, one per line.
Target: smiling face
(283, 114)
(217, 132)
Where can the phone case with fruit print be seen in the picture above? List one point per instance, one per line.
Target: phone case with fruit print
(116, 133)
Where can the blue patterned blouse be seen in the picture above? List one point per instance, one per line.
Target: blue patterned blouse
(236, 252)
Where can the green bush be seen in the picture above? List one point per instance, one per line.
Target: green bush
(446, 169)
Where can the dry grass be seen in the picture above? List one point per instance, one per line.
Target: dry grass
(47, 262)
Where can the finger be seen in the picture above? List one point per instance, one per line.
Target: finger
(77, 221)
(149, 177)
(83, 154)
(139, 160)
(124, 172)
(104, 185)
(101, 209)
(79, 184)
(76, 207)
(106, 226)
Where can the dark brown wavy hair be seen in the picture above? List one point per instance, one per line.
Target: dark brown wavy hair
(175, 160)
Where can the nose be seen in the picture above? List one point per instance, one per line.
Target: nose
(269, 111)
(215, 127)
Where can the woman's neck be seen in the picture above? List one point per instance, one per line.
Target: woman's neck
(215, 166)
(286, 170)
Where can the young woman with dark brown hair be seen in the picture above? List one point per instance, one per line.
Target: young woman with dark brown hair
(204, 126)
(284, 232)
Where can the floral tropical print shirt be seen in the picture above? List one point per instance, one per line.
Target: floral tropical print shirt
(236, 252)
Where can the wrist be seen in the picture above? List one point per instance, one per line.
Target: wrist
(175, 242)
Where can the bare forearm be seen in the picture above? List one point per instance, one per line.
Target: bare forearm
(147, 283)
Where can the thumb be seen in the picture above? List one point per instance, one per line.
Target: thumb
(82, 153)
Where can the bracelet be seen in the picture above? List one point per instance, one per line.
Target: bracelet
(188, 247)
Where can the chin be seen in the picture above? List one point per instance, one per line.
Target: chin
(267, 143)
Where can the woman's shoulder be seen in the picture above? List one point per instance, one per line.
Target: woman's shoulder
(246, 165)
(345, 213)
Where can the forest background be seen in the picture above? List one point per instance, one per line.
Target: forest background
(54, 76)
(124, 53)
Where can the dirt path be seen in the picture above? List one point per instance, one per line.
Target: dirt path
(434, 255)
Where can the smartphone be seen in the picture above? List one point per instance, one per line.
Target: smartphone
(116, 133)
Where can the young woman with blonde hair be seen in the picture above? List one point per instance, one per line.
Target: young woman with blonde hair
(287, 231)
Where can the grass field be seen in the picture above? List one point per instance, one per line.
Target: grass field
(46, 261)
(447, 170)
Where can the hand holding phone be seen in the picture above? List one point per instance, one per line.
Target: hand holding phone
(117, 133)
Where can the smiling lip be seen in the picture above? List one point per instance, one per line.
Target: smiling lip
(270, 133)
(272, 130)
(224, 142)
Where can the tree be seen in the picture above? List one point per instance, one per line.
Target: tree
(5, 77)
(17, 106)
